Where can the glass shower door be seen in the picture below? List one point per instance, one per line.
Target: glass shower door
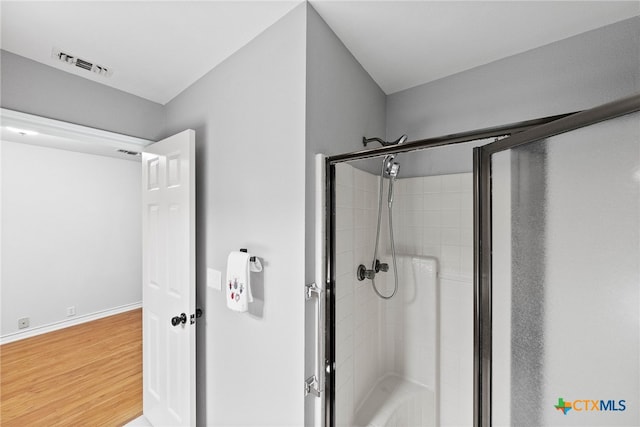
(558, 284)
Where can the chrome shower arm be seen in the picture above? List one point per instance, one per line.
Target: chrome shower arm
(365, 141)
(384, 143)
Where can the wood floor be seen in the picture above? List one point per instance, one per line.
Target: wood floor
(85, 375)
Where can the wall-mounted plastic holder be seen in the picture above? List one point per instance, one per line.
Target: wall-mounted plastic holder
(255, 264)
(252, 259)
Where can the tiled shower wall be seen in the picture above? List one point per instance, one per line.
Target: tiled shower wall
(432, 217)
(357, 308)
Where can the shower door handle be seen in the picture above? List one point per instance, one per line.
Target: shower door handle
(312, 385)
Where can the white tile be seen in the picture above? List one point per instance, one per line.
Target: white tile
(344, 306)
(432, 202)
(466, 236)
(414, 202)
(344, 240)
(466, 201)
(344, 329)
(359, 199)
(450, 236)
(359, 179)
(344, 263)
(344, 219)
(344, 285)
(344, 350)
(361, 237)
(344, 372)
(451, 258)
(344, 174)
(466, 182)
(431, 218)
(466, 260)
(362, 218)
(433, 184)
(430, 250)
(359, 319)
(344, 406)
(451, 183)
(414, 219)
(414, 185)
(370, 199)
(344, 196)
(450, 218)
(399, 203)
(431, 236)
(362, 255)
(400, 186)
(371, 182)
(451, 201)
(414, 240)
(466, 218)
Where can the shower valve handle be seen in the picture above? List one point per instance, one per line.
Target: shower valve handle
(363, 273)
(381, 266)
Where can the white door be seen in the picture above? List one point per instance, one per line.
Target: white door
(168, 223)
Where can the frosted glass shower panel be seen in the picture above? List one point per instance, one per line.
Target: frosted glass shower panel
(566, 278)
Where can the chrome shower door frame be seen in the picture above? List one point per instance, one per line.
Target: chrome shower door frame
(328, 362)
(483, 235)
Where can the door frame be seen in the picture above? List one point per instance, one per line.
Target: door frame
(327, 365)
(483, 234)
(75, 138)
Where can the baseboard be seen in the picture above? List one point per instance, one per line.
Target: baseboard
(43, 329)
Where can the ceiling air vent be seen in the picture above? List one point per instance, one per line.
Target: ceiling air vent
(130, 153)
(70, 59)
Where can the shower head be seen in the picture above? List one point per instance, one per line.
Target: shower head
(393, 171)
(400, 140)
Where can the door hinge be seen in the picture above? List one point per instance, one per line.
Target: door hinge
(311, 289)
(311, 385)
(196, 315)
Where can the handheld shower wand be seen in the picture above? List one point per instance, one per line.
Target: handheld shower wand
(390, 169)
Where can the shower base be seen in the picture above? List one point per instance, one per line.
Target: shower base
(394, 401)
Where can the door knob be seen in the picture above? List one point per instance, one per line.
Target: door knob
(175, 321)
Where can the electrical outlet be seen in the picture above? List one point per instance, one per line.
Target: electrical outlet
(23, 323)
(71, 311)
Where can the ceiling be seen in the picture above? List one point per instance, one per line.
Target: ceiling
(406, 43)
(156, 49)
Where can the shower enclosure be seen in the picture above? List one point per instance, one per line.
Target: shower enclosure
(403, 355)
(518, 264)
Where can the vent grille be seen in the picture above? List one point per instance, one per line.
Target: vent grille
(73, 60)
(130, 153)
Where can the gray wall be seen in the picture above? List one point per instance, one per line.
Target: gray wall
(249, 117)
(31, 87)
(343, 105)
(570, 75)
